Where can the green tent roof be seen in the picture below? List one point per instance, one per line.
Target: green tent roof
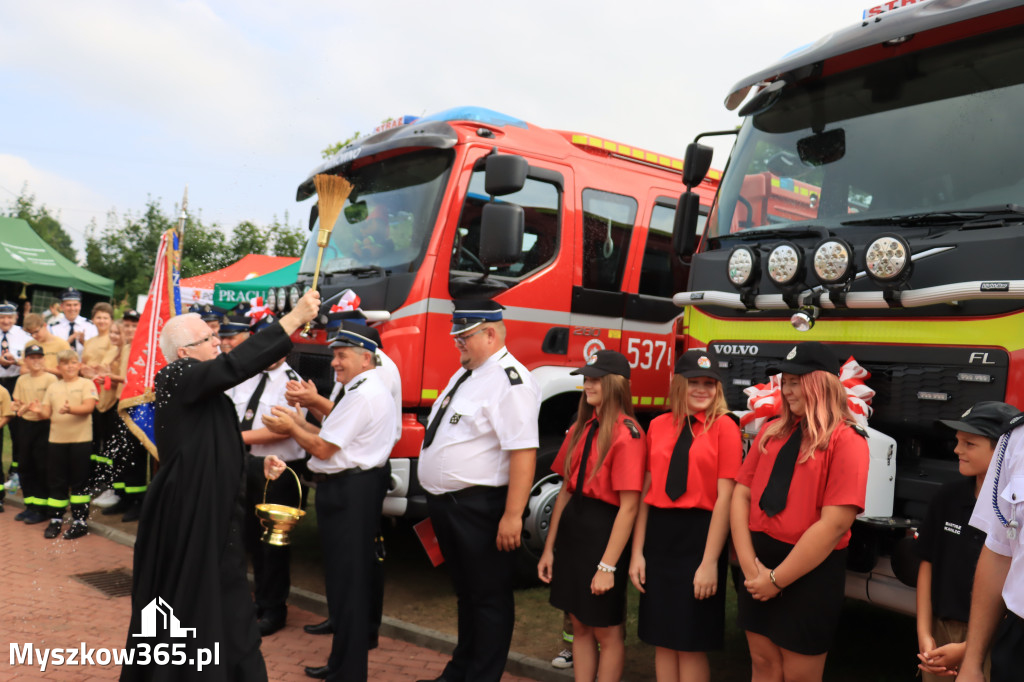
(25, 257)
(230, 294)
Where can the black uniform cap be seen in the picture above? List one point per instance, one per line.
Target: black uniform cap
(807, 357)
(470, 313)
(604, 362)
(697, 363)
(988, 418)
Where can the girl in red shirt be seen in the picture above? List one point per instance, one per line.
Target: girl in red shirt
(693, 455)
(797, 494)
(586, 556)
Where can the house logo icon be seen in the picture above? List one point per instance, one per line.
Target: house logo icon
(158, 615)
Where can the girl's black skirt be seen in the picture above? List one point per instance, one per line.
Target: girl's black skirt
(583, 533)
(670, 616)
(803, 618)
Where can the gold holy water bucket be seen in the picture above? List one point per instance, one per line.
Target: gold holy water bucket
(278, 519)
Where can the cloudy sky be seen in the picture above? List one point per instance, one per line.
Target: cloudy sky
(109, 102)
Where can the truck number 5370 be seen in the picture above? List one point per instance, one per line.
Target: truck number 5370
(646, 353)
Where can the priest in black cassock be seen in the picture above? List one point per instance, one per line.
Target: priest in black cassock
(189, 588)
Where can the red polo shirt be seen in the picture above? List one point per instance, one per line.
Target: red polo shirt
(715, 453)
(835, 476)
(622, 469)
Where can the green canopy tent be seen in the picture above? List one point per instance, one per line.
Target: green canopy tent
(26, 258)
(229, 294)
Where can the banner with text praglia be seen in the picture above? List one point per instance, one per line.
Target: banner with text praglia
(145, 359)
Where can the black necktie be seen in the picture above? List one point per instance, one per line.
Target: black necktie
(3, 344)
(773, 499)
(341, 394)
(679, 465)
(254, 402)
(71, 330)
(587, 445)
(436, 422)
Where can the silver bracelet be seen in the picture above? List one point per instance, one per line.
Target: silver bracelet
(605, 568)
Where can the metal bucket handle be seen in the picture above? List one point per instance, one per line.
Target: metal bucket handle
(298, 484)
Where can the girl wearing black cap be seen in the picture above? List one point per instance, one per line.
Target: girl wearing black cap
(797, 494)
(693, 455)
(585, 556)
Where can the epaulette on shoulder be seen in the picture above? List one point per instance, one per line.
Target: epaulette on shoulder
(634, 430)
(291, 374)
(733, 417)
(357, 385)
(860, 430)
(514, 377)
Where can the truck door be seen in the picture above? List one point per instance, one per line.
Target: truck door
(598, 300)
(649, 337)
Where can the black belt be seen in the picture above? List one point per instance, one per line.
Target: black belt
(316, 477)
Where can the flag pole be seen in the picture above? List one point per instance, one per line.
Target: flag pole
(184, 214)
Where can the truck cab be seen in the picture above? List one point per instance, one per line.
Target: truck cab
(873, 201)
(590, 265)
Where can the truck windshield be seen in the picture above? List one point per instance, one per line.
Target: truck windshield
(930, 132)
(387, 219)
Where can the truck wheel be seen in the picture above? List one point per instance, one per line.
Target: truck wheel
(536, 521)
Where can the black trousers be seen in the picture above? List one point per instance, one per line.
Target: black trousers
(466, 524)
(1008, 649)
(12, 427)
(271, 566)
(32, 453)
(67, 470)
(103, 425)
(128, 461)
(348, 513)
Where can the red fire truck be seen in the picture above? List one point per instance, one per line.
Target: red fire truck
(874, 201)
(570, 232)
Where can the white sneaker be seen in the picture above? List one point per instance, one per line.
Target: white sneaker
(108, 498)
(563, 660)
(13, 483)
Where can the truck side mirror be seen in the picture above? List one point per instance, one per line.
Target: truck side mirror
(684, 227)
(696, 163)
(501, 233)
(504, 174)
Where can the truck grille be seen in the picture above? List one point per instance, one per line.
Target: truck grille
(914, 385)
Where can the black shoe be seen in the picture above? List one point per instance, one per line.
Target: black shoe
(78, 529)
(435, 679)
(133, 512)
(269, 626)
(53, 530)
(324, 627)
(119, 507)
(33, 517)
(1, 507)
(374, 642)
(21, 516)
(317, 672)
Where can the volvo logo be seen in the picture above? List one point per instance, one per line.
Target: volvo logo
(735, 349)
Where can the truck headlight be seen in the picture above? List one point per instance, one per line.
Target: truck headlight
(743, 267)
(270, 300)
(785, 264)
(887, 259)
(282, 298)
(833, 262)
(293, 296)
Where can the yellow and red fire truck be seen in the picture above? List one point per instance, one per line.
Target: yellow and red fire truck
(570, 232)
(874, 201)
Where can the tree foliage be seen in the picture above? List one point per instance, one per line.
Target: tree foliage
(46, 225)
(125, 250)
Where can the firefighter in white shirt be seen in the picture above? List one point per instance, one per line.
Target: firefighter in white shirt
(350, 467)
(71, 326)
(477, 464)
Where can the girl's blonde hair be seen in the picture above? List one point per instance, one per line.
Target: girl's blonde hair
(826, 408)
(615, 398)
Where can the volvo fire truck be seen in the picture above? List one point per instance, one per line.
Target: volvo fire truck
(874, 201)
(571, 233)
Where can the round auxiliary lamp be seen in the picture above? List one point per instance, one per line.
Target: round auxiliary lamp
(278, 519)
